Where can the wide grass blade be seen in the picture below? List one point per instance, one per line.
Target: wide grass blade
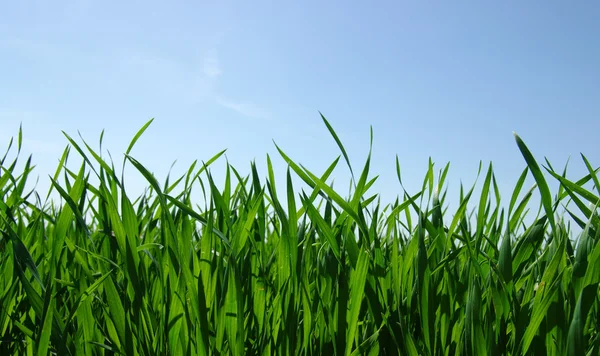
(540, 180)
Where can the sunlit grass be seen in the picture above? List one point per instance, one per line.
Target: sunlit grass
(262, 269)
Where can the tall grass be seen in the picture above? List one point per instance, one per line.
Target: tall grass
(315, 273)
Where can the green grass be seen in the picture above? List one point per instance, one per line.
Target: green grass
(266, 270)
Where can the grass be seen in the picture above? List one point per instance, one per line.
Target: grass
(266, 270)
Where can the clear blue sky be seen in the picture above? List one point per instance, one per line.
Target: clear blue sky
(450, 80)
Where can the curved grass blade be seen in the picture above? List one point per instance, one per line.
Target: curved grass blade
(137, 136)
(540, 180)
(339, 143)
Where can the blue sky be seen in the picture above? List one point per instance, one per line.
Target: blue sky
(450, 80)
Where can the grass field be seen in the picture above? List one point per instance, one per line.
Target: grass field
(252, 273)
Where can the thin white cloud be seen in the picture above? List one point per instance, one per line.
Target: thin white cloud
(164, 75)
(246, 108)
(212, 68)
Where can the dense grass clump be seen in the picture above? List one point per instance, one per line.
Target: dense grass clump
(251, 273)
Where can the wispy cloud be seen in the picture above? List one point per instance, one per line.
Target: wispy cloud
(199, 82)
(212, 68)
(246, 108)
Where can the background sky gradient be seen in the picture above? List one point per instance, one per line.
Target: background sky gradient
(450, 80)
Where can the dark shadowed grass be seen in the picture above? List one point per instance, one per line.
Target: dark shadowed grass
(262, 269)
